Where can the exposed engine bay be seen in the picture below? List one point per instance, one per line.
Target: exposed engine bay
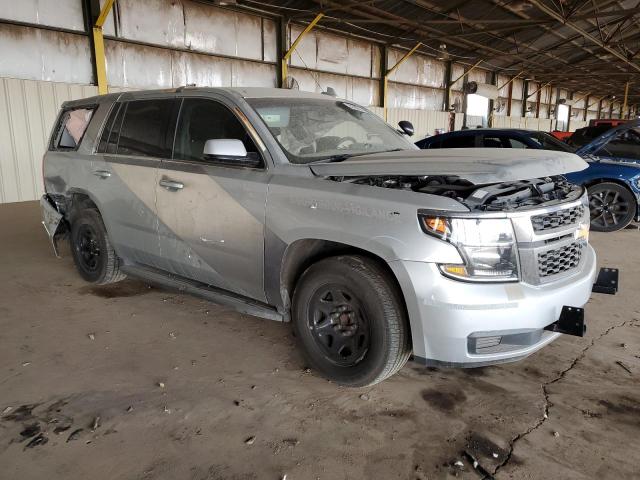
(506, 196)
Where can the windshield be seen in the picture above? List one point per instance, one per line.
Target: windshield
(311, 130)
(547, 141)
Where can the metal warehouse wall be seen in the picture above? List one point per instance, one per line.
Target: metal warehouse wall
(46, 59)
(27, 111)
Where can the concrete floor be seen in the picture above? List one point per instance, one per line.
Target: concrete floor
(236, 401)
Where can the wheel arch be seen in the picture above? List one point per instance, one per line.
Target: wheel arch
(302, 253)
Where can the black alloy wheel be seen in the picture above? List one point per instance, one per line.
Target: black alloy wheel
(612, 207)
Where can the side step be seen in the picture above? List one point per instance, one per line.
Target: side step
(215, 295)
(607, 281)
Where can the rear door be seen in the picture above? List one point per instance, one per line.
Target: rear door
(212, 211)
(137, 135)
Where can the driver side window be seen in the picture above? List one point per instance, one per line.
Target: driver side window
(202, 120)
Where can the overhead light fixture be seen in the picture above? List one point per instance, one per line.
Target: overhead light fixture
(225, 3)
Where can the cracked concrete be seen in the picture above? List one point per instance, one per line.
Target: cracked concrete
(548, 404)
(72, 352)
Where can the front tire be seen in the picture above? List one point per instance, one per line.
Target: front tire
(91, 249)
(351, 321)
(612, 207)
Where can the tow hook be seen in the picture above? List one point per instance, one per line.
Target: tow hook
(571, 322)
(607, 281)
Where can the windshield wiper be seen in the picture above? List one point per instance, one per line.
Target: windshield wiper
(344, 156)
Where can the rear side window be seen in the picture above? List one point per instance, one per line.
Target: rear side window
(71, 128)
(463, 141)
(147, 128)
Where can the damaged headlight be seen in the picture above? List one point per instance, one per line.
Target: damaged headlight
(487, 246)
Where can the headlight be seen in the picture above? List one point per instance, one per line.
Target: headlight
(582, 232)
(487, 246)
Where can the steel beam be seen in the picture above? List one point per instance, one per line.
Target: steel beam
(289, 52)
(553, 14)
(385, 83)
(98, 45)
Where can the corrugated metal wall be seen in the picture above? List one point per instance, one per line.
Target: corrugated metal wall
(28, 109)
(169, 43)
(531, 123)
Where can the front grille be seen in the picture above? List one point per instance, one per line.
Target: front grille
(560, 218)
(560, 259)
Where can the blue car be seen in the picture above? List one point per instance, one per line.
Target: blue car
(612, 178)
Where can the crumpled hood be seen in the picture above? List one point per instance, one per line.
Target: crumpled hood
(606, 137)
(477, 165)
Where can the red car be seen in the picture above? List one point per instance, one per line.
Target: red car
(560, 135)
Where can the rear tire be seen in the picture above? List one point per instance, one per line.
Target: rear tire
(351, 321)
(91, 249)
(612, 207)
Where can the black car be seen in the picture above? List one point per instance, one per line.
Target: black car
(495, 138)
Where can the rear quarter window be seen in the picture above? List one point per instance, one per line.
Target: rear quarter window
(71, 127)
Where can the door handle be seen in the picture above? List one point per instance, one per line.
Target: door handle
(102, 173)
(171, 185)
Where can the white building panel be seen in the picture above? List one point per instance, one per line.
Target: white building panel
(417, 69)
(48, 55)
(65, 14)
(28, 109)
(130, 65)
(410, 96)
(152, 21)
(270, 40)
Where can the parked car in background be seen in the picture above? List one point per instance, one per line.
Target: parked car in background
(495, 138)
(585, 135)
(612, 178)
(304, 207)
(561, 135)
(610, 122)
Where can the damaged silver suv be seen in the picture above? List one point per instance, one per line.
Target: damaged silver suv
(306, 208)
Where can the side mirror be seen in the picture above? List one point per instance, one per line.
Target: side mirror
(406, 127)
(224, 148)
(230, 152)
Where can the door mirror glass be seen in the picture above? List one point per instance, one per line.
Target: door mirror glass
(406, 127)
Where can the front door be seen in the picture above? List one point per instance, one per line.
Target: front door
(211, 214)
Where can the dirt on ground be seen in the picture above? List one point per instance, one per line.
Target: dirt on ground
(132, 382)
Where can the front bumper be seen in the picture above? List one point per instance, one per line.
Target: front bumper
(464, 324)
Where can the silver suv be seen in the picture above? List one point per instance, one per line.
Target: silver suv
(307, 208)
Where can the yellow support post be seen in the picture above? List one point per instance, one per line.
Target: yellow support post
(389, 72)
(626, 98)
(98, 45)
(287, 55)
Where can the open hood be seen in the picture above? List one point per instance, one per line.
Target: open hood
(598, 142)
(477, 165)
